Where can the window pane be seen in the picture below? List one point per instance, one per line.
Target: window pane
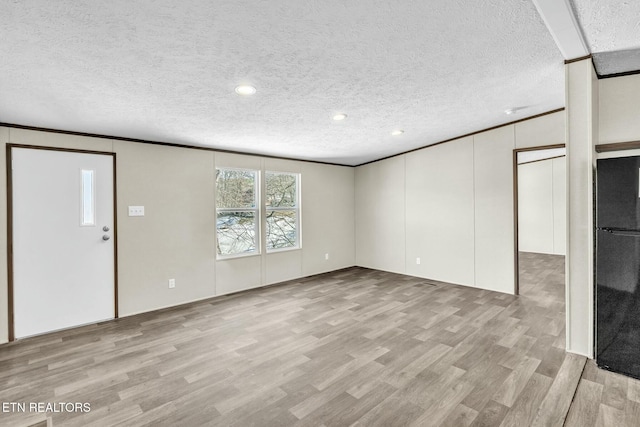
(281, 229)
(88, 204)
(236, 232)
(281, 190)
(235, 189)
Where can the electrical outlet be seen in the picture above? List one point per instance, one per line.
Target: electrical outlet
(417, 261)
(326, 257)
(136, 210)
(172, 283)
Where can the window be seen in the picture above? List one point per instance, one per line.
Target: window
(282, 210)
(237, 212)
(238, 220)
(88, 216)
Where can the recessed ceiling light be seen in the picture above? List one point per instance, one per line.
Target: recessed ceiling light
(339, 116)
(397, 132)
(245, 90)
(511, 111)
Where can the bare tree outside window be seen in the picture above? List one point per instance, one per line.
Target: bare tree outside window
(282, 217)
(237, 211)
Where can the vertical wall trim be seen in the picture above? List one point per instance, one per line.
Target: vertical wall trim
(215, 221)
(404, 193)
(594, 122)
(116, 313)
(514, 192)
(9, 173)
(516, 230)
(115, 237)
(262, 222)
(553, 209)
(475, 212)
(567, 270)
(355, 215)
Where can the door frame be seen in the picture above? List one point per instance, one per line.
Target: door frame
(9, 171)
(516, 263)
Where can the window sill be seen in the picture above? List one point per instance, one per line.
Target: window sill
(277, 251)
(236, 256)
(269, 252)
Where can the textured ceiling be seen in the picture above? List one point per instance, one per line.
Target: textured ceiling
(609, 24)
(165, 71)
(619, 61)
(612, 31)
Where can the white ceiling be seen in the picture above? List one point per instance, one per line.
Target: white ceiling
(619, 61)
(609, 25)
(612, 31)
(166, 71)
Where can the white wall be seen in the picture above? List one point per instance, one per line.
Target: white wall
(328, 225)
(582, 135)
(380, 215)
(545, 130)
(493, 185)
(439, 212)
(175, 238)
(619, 111)
(535, 207)
(451, 205)
(542, 206)
(560, 206)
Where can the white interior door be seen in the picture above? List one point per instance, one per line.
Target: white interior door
(63, 253)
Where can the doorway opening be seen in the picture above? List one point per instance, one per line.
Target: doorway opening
(540, 222)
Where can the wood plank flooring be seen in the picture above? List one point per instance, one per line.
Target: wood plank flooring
(353, 347)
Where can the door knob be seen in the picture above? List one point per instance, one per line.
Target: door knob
(105, 228)
(105, 237)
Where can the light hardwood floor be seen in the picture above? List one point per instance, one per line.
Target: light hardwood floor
(353, 347)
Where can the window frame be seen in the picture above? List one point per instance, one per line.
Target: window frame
(297, 208)
(256, 210)
(92, 196)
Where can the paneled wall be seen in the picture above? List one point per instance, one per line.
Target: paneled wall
(439, 212)
(175, 238)
(450, 205)
(380, 215)
(582, 134)
(542, 206)
(493, 191)
(560, 206)
(619, 110)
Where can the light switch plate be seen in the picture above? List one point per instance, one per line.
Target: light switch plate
(136, 210)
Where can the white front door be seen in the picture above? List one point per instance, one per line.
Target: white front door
(63, 245)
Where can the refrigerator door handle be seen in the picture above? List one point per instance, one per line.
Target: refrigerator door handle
(621, 232)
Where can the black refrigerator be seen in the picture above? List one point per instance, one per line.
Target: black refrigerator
(618, 265)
